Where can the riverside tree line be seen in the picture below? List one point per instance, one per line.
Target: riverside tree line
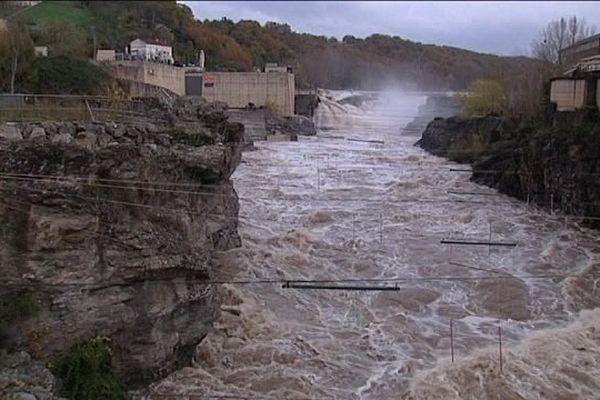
(74, 30)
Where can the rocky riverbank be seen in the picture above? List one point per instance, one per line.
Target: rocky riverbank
(108, 230)
(552, 162)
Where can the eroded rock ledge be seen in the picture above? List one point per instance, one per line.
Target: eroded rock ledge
(112, 227)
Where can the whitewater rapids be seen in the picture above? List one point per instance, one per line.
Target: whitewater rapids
(330, 208)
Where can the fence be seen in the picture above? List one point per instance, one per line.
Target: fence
(40, 107)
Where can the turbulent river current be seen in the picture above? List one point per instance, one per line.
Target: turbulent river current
(374, 214)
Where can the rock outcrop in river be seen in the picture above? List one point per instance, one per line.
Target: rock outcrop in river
(436, 106)
(553, 163)
(110, 227)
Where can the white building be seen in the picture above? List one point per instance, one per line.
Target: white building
(141, 50)
(273, 67)
(40, 51)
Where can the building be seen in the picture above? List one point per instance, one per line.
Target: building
(244, 89)
(106, 55)
(580, 87)
(585, 48)
(22, 3)
(149, 51)
(273, 67)
(40, 51)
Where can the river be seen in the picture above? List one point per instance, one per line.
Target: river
(333, 208)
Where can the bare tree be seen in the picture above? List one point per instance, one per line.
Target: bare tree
(558, 35)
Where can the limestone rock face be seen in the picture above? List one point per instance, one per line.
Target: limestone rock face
(120, 244)
(25, 378)
(461, 139)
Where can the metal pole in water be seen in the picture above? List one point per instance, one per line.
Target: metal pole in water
(318, 178)
(353, 230)
(552, 203)
(490, 238)
(451, 341)
(500, 345)
(380, 228)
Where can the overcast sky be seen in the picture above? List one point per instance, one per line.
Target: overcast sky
(492, 27)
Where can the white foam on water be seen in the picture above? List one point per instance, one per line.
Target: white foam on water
(380, 210)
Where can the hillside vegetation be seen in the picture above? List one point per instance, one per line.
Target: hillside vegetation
(58, 11)
(76, 28)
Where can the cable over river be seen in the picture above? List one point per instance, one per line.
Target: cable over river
(343, 206)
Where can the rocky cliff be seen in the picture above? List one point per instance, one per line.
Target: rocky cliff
(552, 162)
(110, 227)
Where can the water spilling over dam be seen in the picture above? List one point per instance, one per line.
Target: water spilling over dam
(337, 208)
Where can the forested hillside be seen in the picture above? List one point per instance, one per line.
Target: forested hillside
(76, 28)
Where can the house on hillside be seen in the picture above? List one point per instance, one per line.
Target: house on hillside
(40, 51)
(22, 3)
(150, 51)
(585, 48)
(579, 87)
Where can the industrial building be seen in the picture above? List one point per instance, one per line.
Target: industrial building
(585, 48)
(247, 89)
(579, 87)
(237, 89)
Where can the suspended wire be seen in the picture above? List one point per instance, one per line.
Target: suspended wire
(164, 210)
(110, 180)
(150, 395)
(313, 199)
(288, 282)
(92, 230)
(102, 185)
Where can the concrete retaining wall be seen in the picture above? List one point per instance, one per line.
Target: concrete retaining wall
(237, 89)
(162, 75)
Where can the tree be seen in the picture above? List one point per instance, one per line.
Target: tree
(65, 39)
(558, 35)
(483, 97)
(16, 53)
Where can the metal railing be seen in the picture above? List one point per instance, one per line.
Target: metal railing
(43, 107)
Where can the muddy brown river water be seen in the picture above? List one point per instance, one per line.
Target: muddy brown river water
(329, 208)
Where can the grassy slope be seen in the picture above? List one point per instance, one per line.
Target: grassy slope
(49, 11)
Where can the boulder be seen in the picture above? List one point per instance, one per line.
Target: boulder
(300, 125)
(10, 132)
(37, 133)
(119, 131)
(62, 138)
(104, 139)
(66, 127)
(86, 139)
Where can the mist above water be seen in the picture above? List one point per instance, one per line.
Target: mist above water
(330, 208)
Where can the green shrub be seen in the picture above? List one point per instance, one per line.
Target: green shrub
(192, 139)
(18, 305)
(66, 75)
(86, 372)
